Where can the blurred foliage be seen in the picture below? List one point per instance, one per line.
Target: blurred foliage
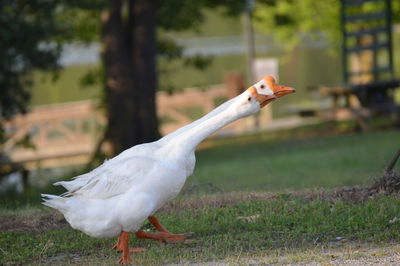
(286, 18)
(27, 41)
(198, 61)
(178, 16)
(167, 49)
(282, 18)
(33, 33)
(85, 24)
(31, 39)
(173, 16)
(92, 76)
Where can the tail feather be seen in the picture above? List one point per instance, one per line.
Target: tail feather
(62, 183)
(49, 196)
(74, 184)
(55, 202)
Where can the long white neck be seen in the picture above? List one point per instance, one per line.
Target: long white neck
(187, 141)
(181, 130)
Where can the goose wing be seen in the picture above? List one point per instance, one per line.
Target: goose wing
(111, 179)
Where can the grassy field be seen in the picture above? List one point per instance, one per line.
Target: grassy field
(294, 160)
(228, 228)
(281, 211)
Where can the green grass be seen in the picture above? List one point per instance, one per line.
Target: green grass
(286, 223)
(291, 160)
(67, 88)
(277, 224)
(297, 159)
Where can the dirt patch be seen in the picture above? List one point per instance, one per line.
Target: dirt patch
(358, 254)
(36, 220)
(220, 200)
(352, 254)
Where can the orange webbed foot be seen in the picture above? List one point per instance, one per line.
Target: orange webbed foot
(123, 246)
(163, 235)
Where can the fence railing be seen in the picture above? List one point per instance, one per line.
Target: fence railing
(67, 134)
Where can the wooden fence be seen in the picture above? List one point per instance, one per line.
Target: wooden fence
(67, 134)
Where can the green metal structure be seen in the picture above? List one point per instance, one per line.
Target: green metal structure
(367, 51)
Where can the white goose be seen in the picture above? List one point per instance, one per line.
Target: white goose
(118, 196)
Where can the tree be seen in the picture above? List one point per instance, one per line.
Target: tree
(129, 38)
(129, 61)
(27, 42)
(31, 38)
(33, 32)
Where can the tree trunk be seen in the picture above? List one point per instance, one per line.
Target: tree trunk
(144, 51)
(130, 79)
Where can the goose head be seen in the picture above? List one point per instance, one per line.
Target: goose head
(265, 89)
(259, 95)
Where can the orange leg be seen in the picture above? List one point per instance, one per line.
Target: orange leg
(163, 235)
(157, 225)
(123, 246)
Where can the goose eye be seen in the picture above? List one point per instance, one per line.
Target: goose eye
(249, 99)
(262, 86)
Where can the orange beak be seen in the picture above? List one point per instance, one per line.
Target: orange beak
(278, 90)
